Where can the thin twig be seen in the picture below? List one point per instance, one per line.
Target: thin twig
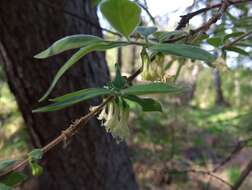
(186, 18)
(238, 147)
(206, 173)
(224, 5)
(147, 11)
(66, 134)
(237, 39)
(243, 176)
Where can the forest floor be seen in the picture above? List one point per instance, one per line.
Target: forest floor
(179, 148)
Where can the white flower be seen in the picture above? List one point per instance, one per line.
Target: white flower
(122, 129)
(115, 120)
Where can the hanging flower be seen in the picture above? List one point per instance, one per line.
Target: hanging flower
(154, 71)
(115, 119)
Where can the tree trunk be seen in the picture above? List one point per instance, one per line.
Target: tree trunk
(92, 160)
(219, 98)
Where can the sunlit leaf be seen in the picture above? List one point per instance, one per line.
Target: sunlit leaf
(123, 15)
(67, 43)
(147, 104)
(183, 50)
(152, 88)
(73, 98)
(37, 170)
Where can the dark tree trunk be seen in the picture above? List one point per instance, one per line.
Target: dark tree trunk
(219, 98)
(133, 58)
(92, 160)
(119, 56)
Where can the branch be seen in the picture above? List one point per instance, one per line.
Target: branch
(243, 176)
(186, 18)
(65, 135)
(68, 133)
(240, 145)
(237, 39)
(206, 173)
(145, 8)
(223, 7)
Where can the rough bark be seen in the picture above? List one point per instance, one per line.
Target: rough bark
(92, 160)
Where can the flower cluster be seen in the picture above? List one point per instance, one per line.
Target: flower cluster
(154, 71)
(115, 119)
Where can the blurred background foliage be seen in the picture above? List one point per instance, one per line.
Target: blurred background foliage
(196, 130)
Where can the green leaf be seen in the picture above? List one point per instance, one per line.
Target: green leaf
(147, 104)
(84, 94)
(5, 164)
(183, 50)
(67, 43)
(232, 35)
(73, 98)
(146, 31)
(237, 50)
(152, 88)
(4, 187)
(101, 46)
(215, 41)
(163, 35)
(37, 170)
(36, 154)
(123, 15)
(119, 81)
(13, 179)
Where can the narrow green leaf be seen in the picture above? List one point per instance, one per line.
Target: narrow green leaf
(163, 35)
(237, 50)
(13, 179)
(4, 187)
(215, 41)
(73, 98)
(147, 104)
(152, 88)
(5, 164)
(232, 35)
(183, 50)
(101, 46)
(119, 81)
(84, 93)
(123, 15)
(146, 31)
(244, 44)
(36, 154)
(67, 43)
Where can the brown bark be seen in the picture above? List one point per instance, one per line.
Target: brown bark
(219, 98)
(92, 160)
